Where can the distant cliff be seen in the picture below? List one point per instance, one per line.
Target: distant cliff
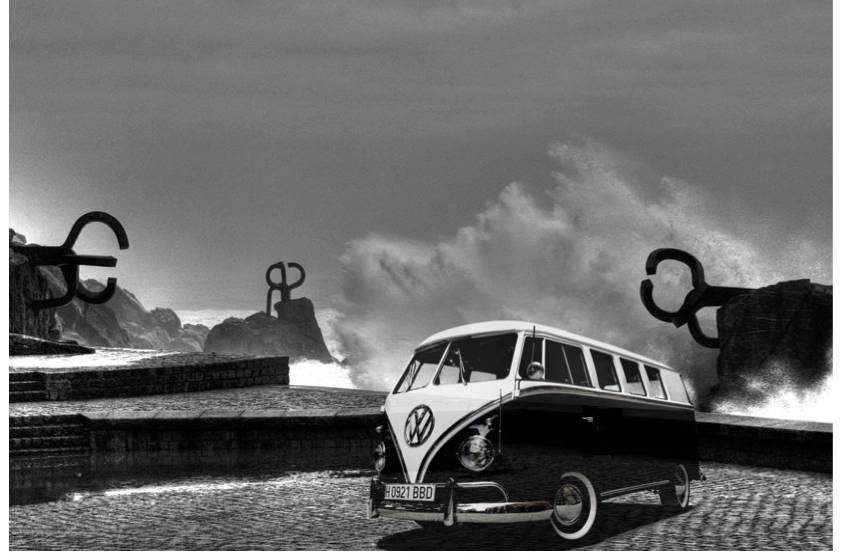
(124, 322)
(294, 333)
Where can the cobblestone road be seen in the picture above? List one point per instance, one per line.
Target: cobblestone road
(736, 508)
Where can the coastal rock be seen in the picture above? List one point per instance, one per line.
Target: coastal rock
(190, 339)
(168, 320)
(16, 238)
(295, 333)
(27, 283)
(121, 322)
(777, 337)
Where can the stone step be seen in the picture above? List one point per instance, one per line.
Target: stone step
(30, 444)
(26, 376)
(51, 453)
(45, 419)
(27, 396)
(47, 463)
(17, 386)
(46, 430)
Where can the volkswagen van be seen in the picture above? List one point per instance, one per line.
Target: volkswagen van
(509, 421)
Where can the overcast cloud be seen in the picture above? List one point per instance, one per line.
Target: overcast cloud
(230, 135)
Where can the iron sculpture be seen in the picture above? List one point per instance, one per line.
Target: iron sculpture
(701, 295)
(66, 259)
(283, 287)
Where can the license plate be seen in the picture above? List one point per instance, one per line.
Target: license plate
(410, 492)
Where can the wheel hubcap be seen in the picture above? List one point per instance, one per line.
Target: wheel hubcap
(568, 504)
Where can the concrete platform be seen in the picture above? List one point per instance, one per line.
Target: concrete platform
(114, 373)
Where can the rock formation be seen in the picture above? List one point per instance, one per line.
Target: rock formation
(779, 336)
(122, 322)
(125, 323)
(294, 333)
(26, 284)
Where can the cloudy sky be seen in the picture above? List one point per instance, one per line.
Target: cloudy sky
(229, 135)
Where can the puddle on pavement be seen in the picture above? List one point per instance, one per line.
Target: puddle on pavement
(28, 486)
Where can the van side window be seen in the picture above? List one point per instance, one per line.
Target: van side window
(632, 376)
(577, 366)
(532, 352)
(605, 370)
(557, 368)
(655, 383)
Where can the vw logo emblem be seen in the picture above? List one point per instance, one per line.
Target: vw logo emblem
(419, 425)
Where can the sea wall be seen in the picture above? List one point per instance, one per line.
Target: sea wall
(313, 438)
(337, 438)
(161, 375)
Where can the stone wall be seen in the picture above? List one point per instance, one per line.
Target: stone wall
(765, 442)
(314, 438)
(50, 455)
(163, 378)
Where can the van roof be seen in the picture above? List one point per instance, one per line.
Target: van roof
(488, 327)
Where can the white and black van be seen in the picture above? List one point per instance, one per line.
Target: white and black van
(509, 421)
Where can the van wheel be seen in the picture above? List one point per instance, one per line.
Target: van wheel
(574, 507)
(677, 495)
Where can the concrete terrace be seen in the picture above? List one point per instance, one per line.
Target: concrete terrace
(233, 401)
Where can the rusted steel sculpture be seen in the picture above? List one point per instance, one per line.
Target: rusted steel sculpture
(283, 287)
(701, 295)
(66, 259)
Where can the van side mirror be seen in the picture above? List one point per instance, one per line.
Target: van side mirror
(534, 371)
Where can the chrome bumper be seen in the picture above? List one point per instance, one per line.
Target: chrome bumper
(450, 511)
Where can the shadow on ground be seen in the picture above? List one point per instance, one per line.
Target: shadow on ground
(614, 519)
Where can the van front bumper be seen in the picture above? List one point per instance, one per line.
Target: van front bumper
(448, 510)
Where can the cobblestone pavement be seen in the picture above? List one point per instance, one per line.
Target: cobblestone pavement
(736, 508)
(289, 397)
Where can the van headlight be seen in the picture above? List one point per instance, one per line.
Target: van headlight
(379, 457)
(476, 453)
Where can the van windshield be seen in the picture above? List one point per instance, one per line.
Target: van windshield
(468, 360)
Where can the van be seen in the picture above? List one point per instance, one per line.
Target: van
(509, 421)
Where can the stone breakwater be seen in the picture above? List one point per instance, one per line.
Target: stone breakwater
(174, 373)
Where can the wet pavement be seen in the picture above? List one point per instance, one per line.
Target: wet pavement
(737, 507)
(262, 397)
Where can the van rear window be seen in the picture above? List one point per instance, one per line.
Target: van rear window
(674, 386)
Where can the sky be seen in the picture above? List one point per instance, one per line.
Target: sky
(228, 135)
